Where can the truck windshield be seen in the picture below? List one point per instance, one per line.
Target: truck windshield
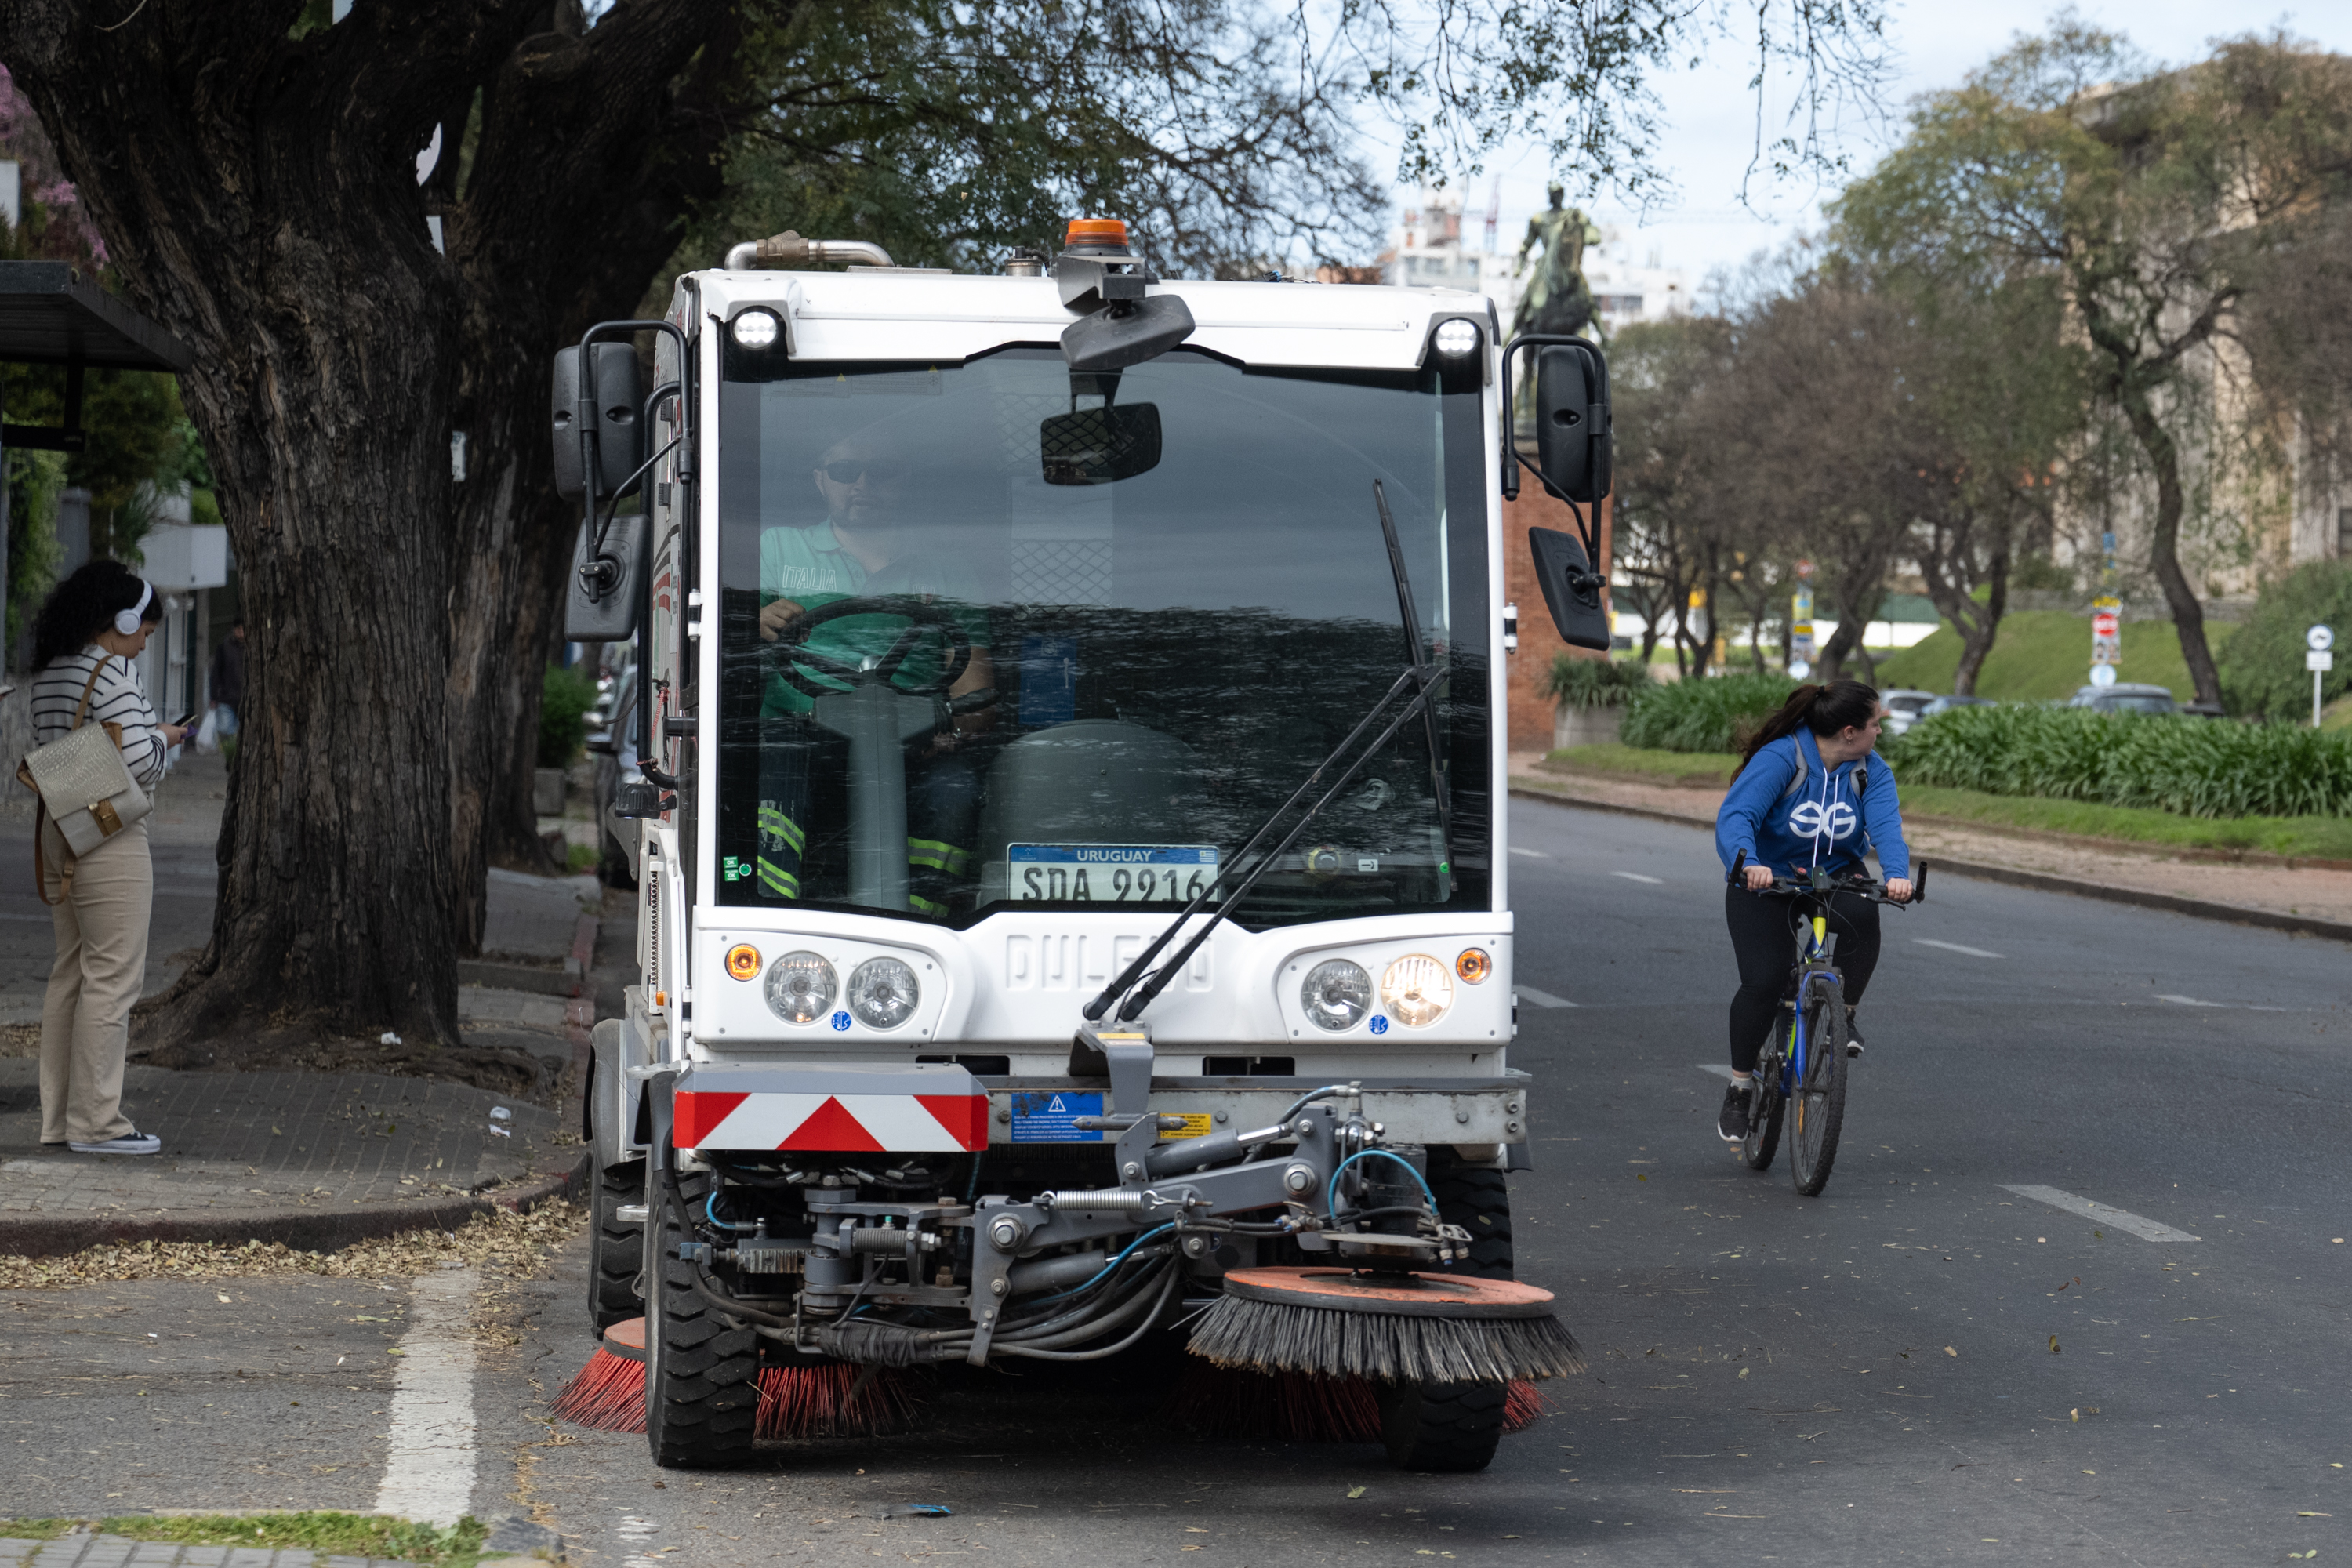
(996, 636)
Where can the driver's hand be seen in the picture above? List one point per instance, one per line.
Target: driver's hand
(1899, 889)
(774, 618)
(1759, 878)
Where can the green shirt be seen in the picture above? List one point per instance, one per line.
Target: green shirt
(810, 567)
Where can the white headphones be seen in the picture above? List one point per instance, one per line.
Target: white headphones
(128, 621)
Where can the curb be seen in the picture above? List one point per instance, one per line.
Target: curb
(2042, 882)
(301, 1229)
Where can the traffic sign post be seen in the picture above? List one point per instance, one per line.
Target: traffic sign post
(1801, 625)
(2318, 659)
(2106, 638)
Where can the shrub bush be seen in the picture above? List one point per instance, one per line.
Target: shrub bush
(2262, 665)
(2197, 767)
(1594, 682)
(564, 699)
(1716, 715)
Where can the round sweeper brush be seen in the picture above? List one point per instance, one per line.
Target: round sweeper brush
(1392, 1328)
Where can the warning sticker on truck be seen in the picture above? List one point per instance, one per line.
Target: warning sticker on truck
(1050, 1117)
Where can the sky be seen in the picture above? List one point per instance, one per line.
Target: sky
(1709, 129)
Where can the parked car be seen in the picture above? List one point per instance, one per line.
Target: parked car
(1903, 707)
(2124, 697)
(1950, 700)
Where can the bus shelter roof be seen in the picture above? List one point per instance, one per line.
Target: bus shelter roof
(51, 314)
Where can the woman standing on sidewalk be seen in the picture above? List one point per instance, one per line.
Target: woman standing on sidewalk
(94, 624)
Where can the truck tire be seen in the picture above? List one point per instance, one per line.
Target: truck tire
(702, 1377)
(1448, 1427)
(1479, 1201)
(616, 1248)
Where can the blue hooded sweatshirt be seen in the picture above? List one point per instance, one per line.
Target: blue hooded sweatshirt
(1828, 818)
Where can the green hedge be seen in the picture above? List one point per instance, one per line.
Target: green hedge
(1594, 682)
(2261, 667)
(2197, 767)
(1716, 715)
(565, 700)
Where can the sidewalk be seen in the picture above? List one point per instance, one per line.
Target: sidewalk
(2307, 899)
(310, 1158)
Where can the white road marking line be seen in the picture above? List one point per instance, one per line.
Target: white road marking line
(2187, 1001)
(1541, 998)
(638, 1531)
(1954, 947)
(1718, 1069)
(1530, 853)
(2146, 1229)
(1637, 877)
(428, 1468)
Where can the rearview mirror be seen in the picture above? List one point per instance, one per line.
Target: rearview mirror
(1572, 434)
(1099, 446)
(1572, 589)
(609, 408)
(600, 602)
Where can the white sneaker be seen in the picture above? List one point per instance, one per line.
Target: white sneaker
(131, 1143)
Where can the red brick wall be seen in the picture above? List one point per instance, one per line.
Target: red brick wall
(1531, 710)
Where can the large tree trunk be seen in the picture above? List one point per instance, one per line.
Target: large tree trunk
(258, 197)
(2163, 454)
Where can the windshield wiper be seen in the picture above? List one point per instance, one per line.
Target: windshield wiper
(1422, 679)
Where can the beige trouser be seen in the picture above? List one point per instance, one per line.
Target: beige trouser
(101, 929)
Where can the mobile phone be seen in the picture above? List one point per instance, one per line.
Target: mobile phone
(184, 719)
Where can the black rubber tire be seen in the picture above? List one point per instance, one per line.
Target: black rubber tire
(702, 1378)
(1479, 1201)
(1448, 1427)
(1766, 1111)
(1819, 1113)
(616, 1248)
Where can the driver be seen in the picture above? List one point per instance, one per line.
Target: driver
(866, 547)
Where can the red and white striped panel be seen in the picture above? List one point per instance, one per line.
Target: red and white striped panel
(832, 1123)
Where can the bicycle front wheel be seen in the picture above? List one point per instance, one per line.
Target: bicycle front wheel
(1817, 1102)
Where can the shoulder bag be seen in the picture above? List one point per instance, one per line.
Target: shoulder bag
(83, 786)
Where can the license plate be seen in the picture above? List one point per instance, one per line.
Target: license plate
(1109, 873)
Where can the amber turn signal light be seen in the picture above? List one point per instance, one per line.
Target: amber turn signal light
(743, 961)
(1095, 231)
(1474, 966)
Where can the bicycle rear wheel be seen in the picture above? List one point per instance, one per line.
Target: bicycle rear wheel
(1819, 1108)
(1765, 1112)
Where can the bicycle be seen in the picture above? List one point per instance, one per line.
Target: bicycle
(1804, 1060)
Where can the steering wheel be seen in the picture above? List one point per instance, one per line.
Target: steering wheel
(795, 659)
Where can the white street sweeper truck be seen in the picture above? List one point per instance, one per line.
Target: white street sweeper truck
(1071, 841)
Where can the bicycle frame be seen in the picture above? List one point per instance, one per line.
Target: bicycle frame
(1815, 961)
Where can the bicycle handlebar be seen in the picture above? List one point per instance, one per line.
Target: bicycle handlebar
(1819, 881)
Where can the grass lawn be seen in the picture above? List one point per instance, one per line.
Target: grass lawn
(2312, 838)
(335, 1534)
(2040, 654)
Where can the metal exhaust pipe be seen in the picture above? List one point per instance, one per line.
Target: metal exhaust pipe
(785, 249)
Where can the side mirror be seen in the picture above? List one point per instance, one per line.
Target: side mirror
(609, 410)
(1572, 433)
(1099, 446)
(1572, 589)
(601, 600)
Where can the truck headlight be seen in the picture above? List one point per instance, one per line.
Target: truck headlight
(1337, 995)
(757, 329)
(882, 993)
(1417, 990)
(1456, 338)
(800, 987)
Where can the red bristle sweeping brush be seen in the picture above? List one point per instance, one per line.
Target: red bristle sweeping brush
(1297, 1407)
(829, 1400)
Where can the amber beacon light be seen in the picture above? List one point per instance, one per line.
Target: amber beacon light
(1096, 237)
(1474, 966)
(743, 961)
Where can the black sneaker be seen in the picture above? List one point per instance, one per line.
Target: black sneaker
(1852, 1046)
(1733, 1123)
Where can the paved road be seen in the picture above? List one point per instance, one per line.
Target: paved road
(1868, 1376)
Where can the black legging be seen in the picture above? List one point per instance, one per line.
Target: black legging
(1764, 939)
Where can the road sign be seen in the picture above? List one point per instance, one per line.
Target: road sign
(2107, 633)
(2319, 639)
(2318, 659)
(1799, 669)
(2103, 675)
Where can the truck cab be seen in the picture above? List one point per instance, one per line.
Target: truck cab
(1074, 811)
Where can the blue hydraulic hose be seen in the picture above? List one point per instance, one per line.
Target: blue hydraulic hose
(1106, 1268)
(1331, 1191)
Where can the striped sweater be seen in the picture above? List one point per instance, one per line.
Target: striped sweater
(118, 698)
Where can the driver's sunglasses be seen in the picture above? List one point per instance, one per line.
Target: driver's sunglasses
(849, 470)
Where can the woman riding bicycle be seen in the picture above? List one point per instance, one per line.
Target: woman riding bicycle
(1809, 792)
